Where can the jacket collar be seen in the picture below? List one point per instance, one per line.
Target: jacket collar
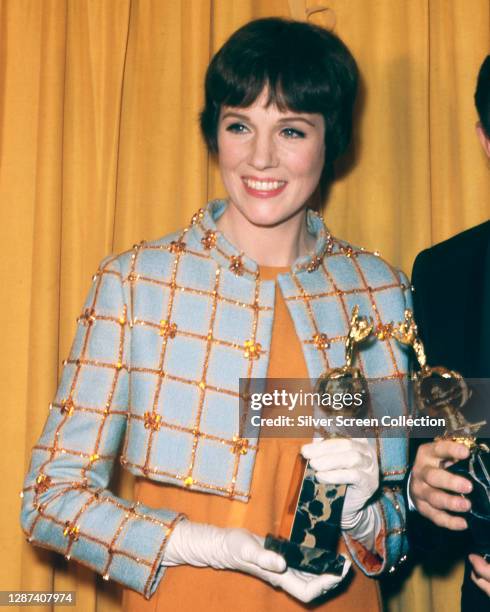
(205, 232)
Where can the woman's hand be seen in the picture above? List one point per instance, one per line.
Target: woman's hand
(346, 461)
(204, 545)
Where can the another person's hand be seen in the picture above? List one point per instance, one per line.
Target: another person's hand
(481, 573)
(204, 545)
(433, 490)
(346, 461)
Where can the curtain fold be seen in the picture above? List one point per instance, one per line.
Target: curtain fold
(100, 148)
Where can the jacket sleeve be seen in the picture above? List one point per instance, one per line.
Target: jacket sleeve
(423, 535)
(391, 546)
(66, 505)
(420, 274)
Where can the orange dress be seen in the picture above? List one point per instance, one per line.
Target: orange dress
(189, 589)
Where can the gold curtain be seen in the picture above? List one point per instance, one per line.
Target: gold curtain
(100, 147)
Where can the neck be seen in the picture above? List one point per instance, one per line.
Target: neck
(277, 246)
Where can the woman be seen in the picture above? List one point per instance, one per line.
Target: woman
(254, 287)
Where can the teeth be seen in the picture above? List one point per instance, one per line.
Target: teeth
(264, 185)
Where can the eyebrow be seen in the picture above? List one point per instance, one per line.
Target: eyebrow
(283, 120)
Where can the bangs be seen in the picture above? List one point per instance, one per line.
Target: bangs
(291, 85)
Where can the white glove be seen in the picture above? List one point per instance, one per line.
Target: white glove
(352, 462)
(204, 545)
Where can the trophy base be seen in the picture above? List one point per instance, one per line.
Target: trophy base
(477, 469)
(304, 558)
(480, 530)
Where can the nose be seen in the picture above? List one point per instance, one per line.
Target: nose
(263, 152)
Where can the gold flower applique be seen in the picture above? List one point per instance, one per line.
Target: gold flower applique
(209, 240)
(236, 265)
(67, 406)
(152, 421)
(71, 531)
(167, 329)
(177, 246)
(384, 331)
(321, 341)
(240, 445)
(251, 349)
(43, 483)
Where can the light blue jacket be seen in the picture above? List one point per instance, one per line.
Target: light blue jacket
(167, 331)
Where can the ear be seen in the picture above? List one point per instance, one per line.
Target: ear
(484, 139)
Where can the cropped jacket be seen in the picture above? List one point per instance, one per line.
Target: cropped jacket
(152, 380)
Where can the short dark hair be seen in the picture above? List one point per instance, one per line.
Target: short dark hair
(482, 95)
(306, 68)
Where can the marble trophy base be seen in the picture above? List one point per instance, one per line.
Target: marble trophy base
(477, 469)
(310, 528)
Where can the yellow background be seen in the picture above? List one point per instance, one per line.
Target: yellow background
(100, 148)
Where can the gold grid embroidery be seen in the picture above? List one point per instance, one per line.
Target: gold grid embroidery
(188, 481)
(327, 294)
(321, 346)
(210, 241)
(155, 424)
(72, 529)
(225, 490)
(108, 403)
(188, 334)
(371, 294)
(69, 401)
(240, 442)
(345, 311)
(131, 278)
(202, 384)
(130, 513)
(340, 294)
(167, 317)
(237, 445)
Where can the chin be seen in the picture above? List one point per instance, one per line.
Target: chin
(262, 214)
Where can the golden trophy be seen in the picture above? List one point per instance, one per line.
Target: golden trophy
(439, 391)
(347, 378)
(310, 527)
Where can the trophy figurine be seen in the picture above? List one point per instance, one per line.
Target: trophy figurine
(310, 527)
(440, 391)
(347, 378)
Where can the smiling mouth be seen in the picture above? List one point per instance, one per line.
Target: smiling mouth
(263, 185)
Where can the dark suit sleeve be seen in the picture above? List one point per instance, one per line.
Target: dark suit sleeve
(421, 291)
(423, 535)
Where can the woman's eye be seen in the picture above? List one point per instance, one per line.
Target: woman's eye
(293, 133)
(236, 128)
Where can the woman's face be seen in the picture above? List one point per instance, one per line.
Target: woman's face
(270, 161)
